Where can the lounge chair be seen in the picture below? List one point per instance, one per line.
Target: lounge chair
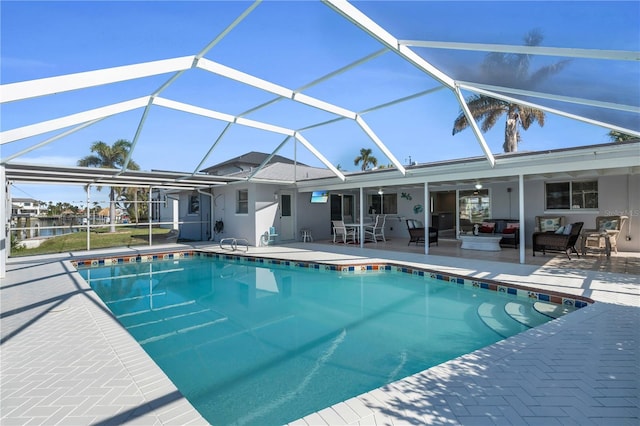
(562, 240)
(604, 237)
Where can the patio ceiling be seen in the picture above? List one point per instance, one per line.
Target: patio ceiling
(611, 101)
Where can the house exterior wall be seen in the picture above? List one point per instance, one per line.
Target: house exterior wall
(617, 194)
(316, 217)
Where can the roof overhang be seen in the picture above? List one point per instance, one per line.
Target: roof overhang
(575, 163)
(59, 175)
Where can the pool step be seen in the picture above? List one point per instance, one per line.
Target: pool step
(525, 314)
(495, 317)
(170, 321)
(552, 310)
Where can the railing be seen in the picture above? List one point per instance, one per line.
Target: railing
(232, 244)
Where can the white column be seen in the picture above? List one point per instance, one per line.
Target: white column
(149, 211)
(4, 241)
(87, 189)
(427, 217)
(521, 213)
(175, 213)
(361, 214)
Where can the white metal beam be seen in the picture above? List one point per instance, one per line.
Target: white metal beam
(71, 120)
(319, 156)
(180, 106)
(269, 157)
(567, 52)
(569, 99)
(51, 139)
(474, 127)
(64, 83)
(267, 86)
(552, 110)
(379, 144)
(354, 15)
(318, 81)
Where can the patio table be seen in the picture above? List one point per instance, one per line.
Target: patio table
(481, 242)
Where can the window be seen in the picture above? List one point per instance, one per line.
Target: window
(383, 204)
(571, 195)
(475, 206)
(194, 204)
(242, 201)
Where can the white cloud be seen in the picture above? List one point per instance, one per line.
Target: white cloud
(50, 160)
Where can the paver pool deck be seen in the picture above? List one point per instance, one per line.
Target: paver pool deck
(66, 360)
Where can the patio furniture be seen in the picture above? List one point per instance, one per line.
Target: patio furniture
(416, 232)
(507, 229)
(341, 232)
(269, 237)
(604, 237)
(305, 234)
(548, 223)
(562, 240)
(375, 231)
(484, 242)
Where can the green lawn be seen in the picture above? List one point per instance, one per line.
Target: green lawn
(77, 241)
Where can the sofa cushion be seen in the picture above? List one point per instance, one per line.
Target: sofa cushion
(550, 224)
(508, 230)
(486, 229)
(567, 229)
(609, 225)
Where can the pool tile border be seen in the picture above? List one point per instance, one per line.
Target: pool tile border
(485, 284)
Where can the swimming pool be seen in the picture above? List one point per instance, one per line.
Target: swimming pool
(253, 342)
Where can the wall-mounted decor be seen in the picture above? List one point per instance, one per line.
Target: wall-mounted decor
(406, 196)
(418, 208)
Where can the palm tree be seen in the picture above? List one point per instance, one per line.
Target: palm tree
(615, 136)
(511, 70)
(366, 158)
(109, 157)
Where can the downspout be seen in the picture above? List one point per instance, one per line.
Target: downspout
(210, 212)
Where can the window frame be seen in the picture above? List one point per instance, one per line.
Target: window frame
(567, 200)
(242, 203)
(194, 204)
(389, 202)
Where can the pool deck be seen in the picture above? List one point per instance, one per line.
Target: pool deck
(66, 360)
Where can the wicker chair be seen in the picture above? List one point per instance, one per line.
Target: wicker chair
(416, 232)
(604, 237)
(558, 242)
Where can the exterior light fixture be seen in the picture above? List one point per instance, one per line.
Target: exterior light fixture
(478, 186)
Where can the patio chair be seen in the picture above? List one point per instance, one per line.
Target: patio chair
(604, 237)
(417, 235)
(375, 231)
(341, 232)
(563, 240)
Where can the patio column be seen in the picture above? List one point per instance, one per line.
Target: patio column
(87, 189)
(3, 220)
(427, 217)
(361, 215)
(521, 215)
(149, 211)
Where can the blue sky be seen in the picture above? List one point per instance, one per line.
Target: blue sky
(292, 44)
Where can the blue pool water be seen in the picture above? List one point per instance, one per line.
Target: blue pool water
(248, 343)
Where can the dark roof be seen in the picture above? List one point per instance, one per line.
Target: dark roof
(252, 158)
